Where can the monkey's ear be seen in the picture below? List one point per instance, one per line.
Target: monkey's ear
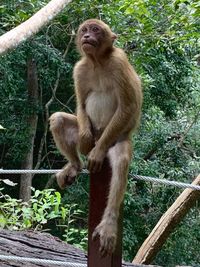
(114, 36)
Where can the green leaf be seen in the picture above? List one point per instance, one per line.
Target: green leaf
(37, 193)
(58, 195)
(8, 182)
(2, 128)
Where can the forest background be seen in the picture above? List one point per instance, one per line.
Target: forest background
(162, 41)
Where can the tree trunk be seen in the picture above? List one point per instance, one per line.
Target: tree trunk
(32, 83)
(21, 33)
(166, 224)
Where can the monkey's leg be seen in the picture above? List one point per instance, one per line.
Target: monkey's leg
(119, 157)
(64, 128)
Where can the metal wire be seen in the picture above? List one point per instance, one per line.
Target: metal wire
(42, 261)
(2, 171)
(166, 182)
(137, 177)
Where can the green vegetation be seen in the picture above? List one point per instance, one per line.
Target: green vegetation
(162, 40)
(45, 211)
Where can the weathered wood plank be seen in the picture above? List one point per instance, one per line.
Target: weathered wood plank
(37, 245)
(40, 245)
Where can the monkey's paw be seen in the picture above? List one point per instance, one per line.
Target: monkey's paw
(86, 143)
(67, 175)
(107, 233)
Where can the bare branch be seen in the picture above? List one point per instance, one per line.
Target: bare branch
(48, 104)
(69, 44)
(21, 33)
(188, 129)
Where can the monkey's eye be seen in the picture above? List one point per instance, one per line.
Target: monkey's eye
(95, 29)
(84, 30)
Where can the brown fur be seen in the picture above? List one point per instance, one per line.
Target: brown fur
(109, 99)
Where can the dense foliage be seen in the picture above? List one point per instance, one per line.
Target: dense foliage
(161, 39)
(45, 210)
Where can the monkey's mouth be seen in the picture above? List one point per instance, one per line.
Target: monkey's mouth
(89, 43)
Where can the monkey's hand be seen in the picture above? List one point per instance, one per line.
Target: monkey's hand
(95, 159)
(86, 142)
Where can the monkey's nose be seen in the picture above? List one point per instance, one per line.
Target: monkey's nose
(86, 36)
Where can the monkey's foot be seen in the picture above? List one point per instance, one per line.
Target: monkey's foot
(67, 175)
(107, 232)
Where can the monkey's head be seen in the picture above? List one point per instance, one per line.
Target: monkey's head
(94, 37)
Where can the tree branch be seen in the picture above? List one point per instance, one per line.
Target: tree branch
(48, 104)
(21, 33)
(166, 224)
(188, 129)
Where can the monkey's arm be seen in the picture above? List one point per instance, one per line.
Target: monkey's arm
(124, 120)
(86, 139)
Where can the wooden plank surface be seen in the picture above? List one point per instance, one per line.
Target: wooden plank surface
(40, 245)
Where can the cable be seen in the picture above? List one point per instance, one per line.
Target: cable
(166, 182)
(42, 261)
(138, 177)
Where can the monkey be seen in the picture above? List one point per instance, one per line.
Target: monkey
(109, 99)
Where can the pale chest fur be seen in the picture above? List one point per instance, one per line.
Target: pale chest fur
(101, 102)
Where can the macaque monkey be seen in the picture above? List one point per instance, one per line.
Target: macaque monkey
(109, 99)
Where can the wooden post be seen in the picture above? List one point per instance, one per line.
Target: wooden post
(99, 187)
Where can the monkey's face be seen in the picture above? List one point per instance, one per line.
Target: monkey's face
(91, 36)
(94, 37)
